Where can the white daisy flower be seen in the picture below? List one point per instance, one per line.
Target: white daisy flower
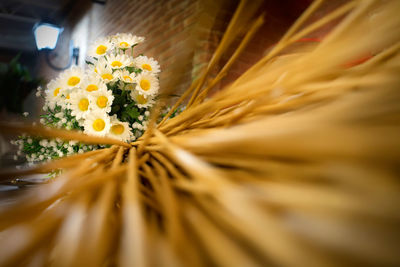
(147, 64)
(137, 125)
(72, 142)
(106, 73)
(93, 83)
(100, 47)
(147, 84)
(127, 77)
(142, 101)
(101, 62)
(79, 104)
(64, 103)
(39, 90)
(102, 100)
(97, 123)
(66, 94)
(120, 130)
(72, 77)
(53, 92)
(119, 61)
(90, 69)
(111, 38)
(126, 40)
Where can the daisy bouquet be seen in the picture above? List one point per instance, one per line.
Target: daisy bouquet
(112, 98)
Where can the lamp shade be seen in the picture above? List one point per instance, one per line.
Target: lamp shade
(46, 35)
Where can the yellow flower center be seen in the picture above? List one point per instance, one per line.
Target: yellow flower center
(101, 49)
(145, 84)
(95, 70)
(107, 76)
(141, 99)
(102, 101)
(123, 44)
(117, 129)
(146, 67)
(116, 64)
(127, 78)
(56, 91)
(92, 87)
(83, 104)
(73, 81)
(68, 97)
(98, 125)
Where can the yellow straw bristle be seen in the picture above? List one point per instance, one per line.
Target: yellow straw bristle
(296, 163)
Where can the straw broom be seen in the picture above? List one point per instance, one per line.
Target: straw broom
(293, 164)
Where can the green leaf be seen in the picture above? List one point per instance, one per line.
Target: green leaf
(115, 109)
(133, 113)
(130, 69)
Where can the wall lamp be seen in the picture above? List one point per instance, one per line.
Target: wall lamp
(46, 37)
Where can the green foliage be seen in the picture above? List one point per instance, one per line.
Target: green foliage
(15, 85)
(123, 106)
(50, 118)
(133, 69)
